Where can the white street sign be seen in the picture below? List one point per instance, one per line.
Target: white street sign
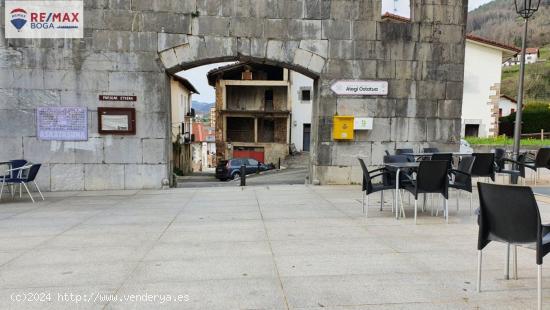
(363, 123)
(360, 88)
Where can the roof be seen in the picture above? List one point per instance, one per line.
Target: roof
(509, 98)
(532, 50)
(212, 73)
(501, 46)
(185, 83)
(394, 17)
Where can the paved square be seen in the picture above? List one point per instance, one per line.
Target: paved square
(278, 247)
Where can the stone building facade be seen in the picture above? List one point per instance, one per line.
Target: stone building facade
(129, 46)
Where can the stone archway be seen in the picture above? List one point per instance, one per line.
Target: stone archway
(129, 46)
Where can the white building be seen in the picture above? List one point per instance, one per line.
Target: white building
(301, 96)
(532, 55)
(181, 119)
(506, 106)
(482, 76)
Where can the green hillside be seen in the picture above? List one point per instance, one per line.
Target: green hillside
(537, 79)
(498, 20)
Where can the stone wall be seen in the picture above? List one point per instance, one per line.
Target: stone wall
(130, 45)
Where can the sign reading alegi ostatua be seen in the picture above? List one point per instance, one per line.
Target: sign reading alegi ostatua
(44, 19)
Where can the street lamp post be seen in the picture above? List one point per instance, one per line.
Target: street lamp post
(526, 9)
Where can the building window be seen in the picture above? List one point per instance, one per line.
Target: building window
(512, 111)
(500, 112)
(471, 130)
(268, 100)
(305, 95)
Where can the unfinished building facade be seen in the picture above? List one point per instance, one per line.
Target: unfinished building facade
(253, 111)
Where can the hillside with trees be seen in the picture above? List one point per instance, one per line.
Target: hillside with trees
(498, 20)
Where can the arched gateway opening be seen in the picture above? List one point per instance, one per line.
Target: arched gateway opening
(130, 48)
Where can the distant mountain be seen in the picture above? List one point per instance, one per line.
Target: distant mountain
(498, 21)
(201, 106)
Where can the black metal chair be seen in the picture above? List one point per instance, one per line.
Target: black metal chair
(432, 177)
(484, 165)
(23, 176)
(404, 176)
(510, 214)
(542, 160)
(462, 178)
(369, 187)
(431, 150)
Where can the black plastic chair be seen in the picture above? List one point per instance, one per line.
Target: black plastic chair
(542, 160)
(369, 187)
(431, 150)
(432, 177)
(484, 165)
(24, 175)
(389, 179)
(462, 178)
(448, 157)
(403, 151)
(510, 214)
(517, 170)
(500, 156)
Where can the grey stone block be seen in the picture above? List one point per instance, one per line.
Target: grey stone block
(379, 133)
(72, 80)
(22, 78)
(209, 7)
(399, 129)
(67, 177)
(341, 49)
(89, 152)
(385, 69)
(449, 109)
(151, 125)
(55, 152)
(174, 6)
(304, 29)
(454, 90)
(123, 150)
(164, 22)
(378, 151)
(346, 153)
(17, 123)
(116, 40)
(337, 29)
(12, 148)
(144, 176)
(103, 176)
(246, 27)
(430, 90)
(276, 29)
(319, 47)
(364, 30)
(221, 47)
(417, 129)
(43, 178)
(213, 25)
(170, 40)
(154, 151)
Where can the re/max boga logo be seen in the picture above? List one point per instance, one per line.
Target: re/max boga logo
(44, 20)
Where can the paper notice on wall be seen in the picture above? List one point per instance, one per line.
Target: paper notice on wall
(62, 123)
(114, 122)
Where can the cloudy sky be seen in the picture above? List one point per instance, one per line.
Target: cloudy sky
(197, 76)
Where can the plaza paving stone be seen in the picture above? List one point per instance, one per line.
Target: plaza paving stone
(264, 247)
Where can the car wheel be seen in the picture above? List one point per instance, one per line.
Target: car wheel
(236, 175)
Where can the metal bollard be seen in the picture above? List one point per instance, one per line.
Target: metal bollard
(258, 171)
(243, 175)
(279, 163)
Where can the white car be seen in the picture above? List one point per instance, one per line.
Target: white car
(465, 147)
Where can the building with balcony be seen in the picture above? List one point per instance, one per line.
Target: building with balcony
(252, 111)
(182, 122)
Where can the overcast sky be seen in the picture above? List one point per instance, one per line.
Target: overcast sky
(197, 76)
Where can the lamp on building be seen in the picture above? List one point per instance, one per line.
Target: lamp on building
(526, 9)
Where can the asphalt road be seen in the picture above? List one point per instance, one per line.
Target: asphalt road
(273, 177)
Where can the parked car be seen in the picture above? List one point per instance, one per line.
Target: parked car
(465, 147)
(231, 169)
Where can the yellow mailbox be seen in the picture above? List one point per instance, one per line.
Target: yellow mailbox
(342, 127)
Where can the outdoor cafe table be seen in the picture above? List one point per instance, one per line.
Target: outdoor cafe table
(398, 167)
